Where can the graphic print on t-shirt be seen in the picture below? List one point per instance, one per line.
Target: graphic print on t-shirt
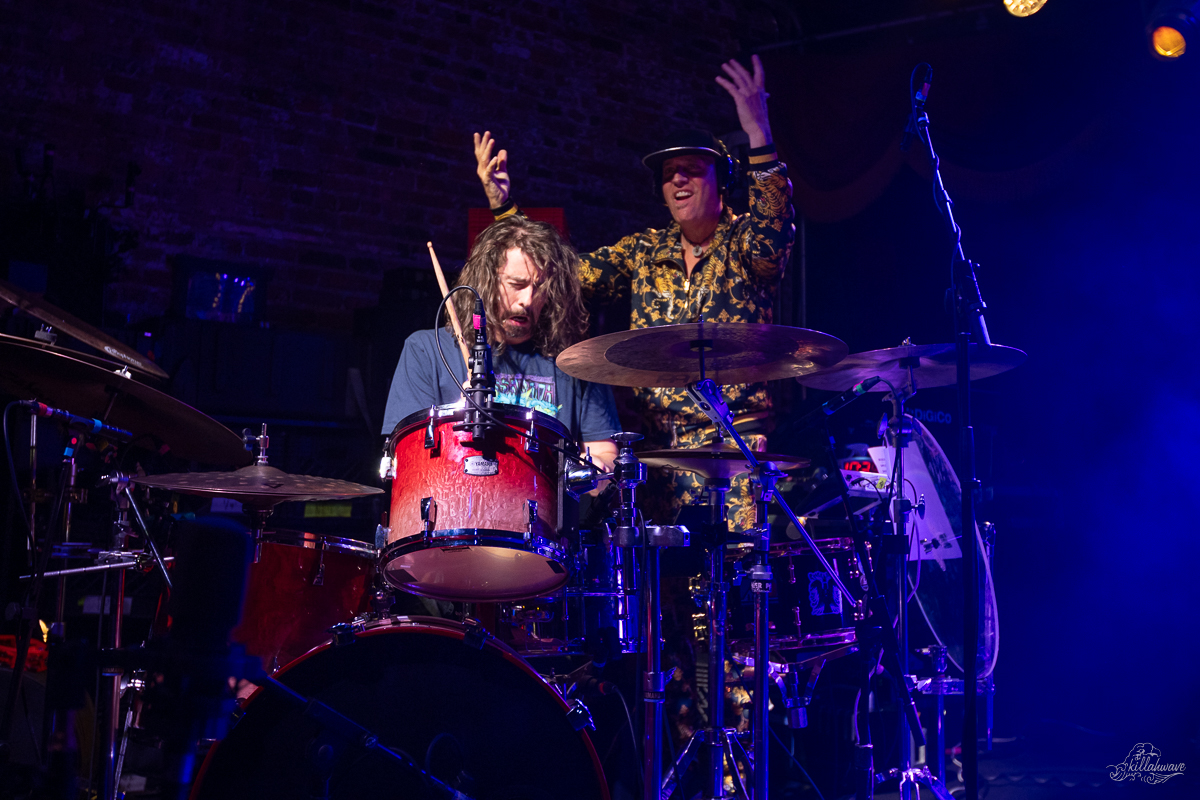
(528, 391)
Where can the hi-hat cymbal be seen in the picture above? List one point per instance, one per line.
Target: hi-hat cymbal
(31, 372)
(670, 355)
(915, 366)
(719, 461)
(78, 329)
(258, 485)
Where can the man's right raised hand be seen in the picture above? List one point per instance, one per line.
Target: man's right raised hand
(493, 172)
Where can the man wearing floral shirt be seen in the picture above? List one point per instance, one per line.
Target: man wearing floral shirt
(707, 265)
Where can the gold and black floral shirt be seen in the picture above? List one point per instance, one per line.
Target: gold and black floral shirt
(735, 281)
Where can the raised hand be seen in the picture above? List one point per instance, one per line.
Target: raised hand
(492, 171)
(750, 96)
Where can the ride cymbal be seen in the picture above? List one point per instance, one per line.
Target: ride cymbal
(669, 356)
(918, 366)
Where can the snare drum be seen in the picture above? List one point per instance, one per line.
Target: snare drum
(476, 522)
(300, 586)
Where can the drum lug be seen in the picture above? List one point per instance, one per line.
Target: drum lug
(319, 578)
(580, 717)
(382, 532)
(431, 430)
(386, 469)
(533, 519)
(474, 634)
(428, 513)
(343, 634)
(531, 442)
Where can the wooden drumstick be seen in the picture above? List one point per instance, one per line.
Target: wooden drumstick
(458, 334)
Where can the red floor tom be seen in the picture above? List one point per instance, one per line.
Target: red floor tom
(300, 586)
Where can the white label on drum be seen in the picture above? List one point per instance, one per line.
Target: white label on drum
(478, 465)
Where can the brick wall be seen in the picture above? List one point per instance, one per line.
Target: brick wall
(328, 141)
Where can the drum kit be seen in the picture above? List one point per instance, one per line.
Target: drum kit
(355, 700)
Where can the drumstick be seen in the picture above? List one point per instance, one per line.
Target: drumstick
(458, 334)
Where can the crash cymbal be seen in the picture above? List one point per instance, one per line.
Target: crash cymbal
(720, 461)
(258, 485)
(31, 372)
(918, 366)
(670, 355)
(76, 328)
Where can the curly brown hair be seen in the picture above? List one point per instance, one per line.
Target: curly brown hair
(564, 319)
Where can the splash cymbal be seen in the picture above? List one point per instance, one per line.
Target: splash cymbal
(727, 353)
(76, 328)
(719, 461)
(258, 485)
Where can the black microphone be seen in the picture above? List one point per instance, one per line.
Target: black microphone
(83, 424)
(482, 378)
(839, 402)
(481, 351)
(917, 108)
(843, 399)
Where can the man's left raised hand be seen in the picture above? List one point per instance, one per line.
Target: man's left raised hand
(750, 96)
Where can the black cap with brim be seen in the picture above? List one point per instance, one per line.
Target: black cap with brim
(685, 143)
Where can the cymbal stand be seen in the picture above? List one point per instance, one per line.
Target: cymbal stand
(899, 430)
(707, 395)
(629, 530)
(121, 558)
(714, 735)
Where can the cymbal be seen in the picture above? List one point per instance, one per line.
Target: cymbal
(258, 485)
(719, 461)
(31, 372)
(669, 355)
(78, 329)
(924, 366)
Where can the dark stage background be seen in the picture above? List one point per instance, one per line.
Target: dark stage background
(313, 148)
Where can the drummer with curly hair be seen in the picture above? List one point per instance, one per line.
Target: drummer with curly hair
(527, 275)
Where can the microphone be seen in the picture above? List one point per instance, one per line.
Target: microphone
(483, 378)
(843, 399)
(917, 108)
(83, 424)
(481, 351)
(836, 404)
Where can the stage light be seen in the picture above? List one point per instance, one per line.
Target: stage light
(1170, 25)
(1024, 8)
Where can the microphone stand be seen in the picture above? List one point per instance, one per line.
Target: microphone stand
(968, 321)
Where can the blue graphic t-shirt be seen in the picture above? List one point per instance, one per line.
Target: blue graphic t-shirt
(523, 378)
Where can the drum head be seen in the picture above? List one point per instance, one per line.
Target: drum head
(478, 718)
(474, 566)
(935, 561)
